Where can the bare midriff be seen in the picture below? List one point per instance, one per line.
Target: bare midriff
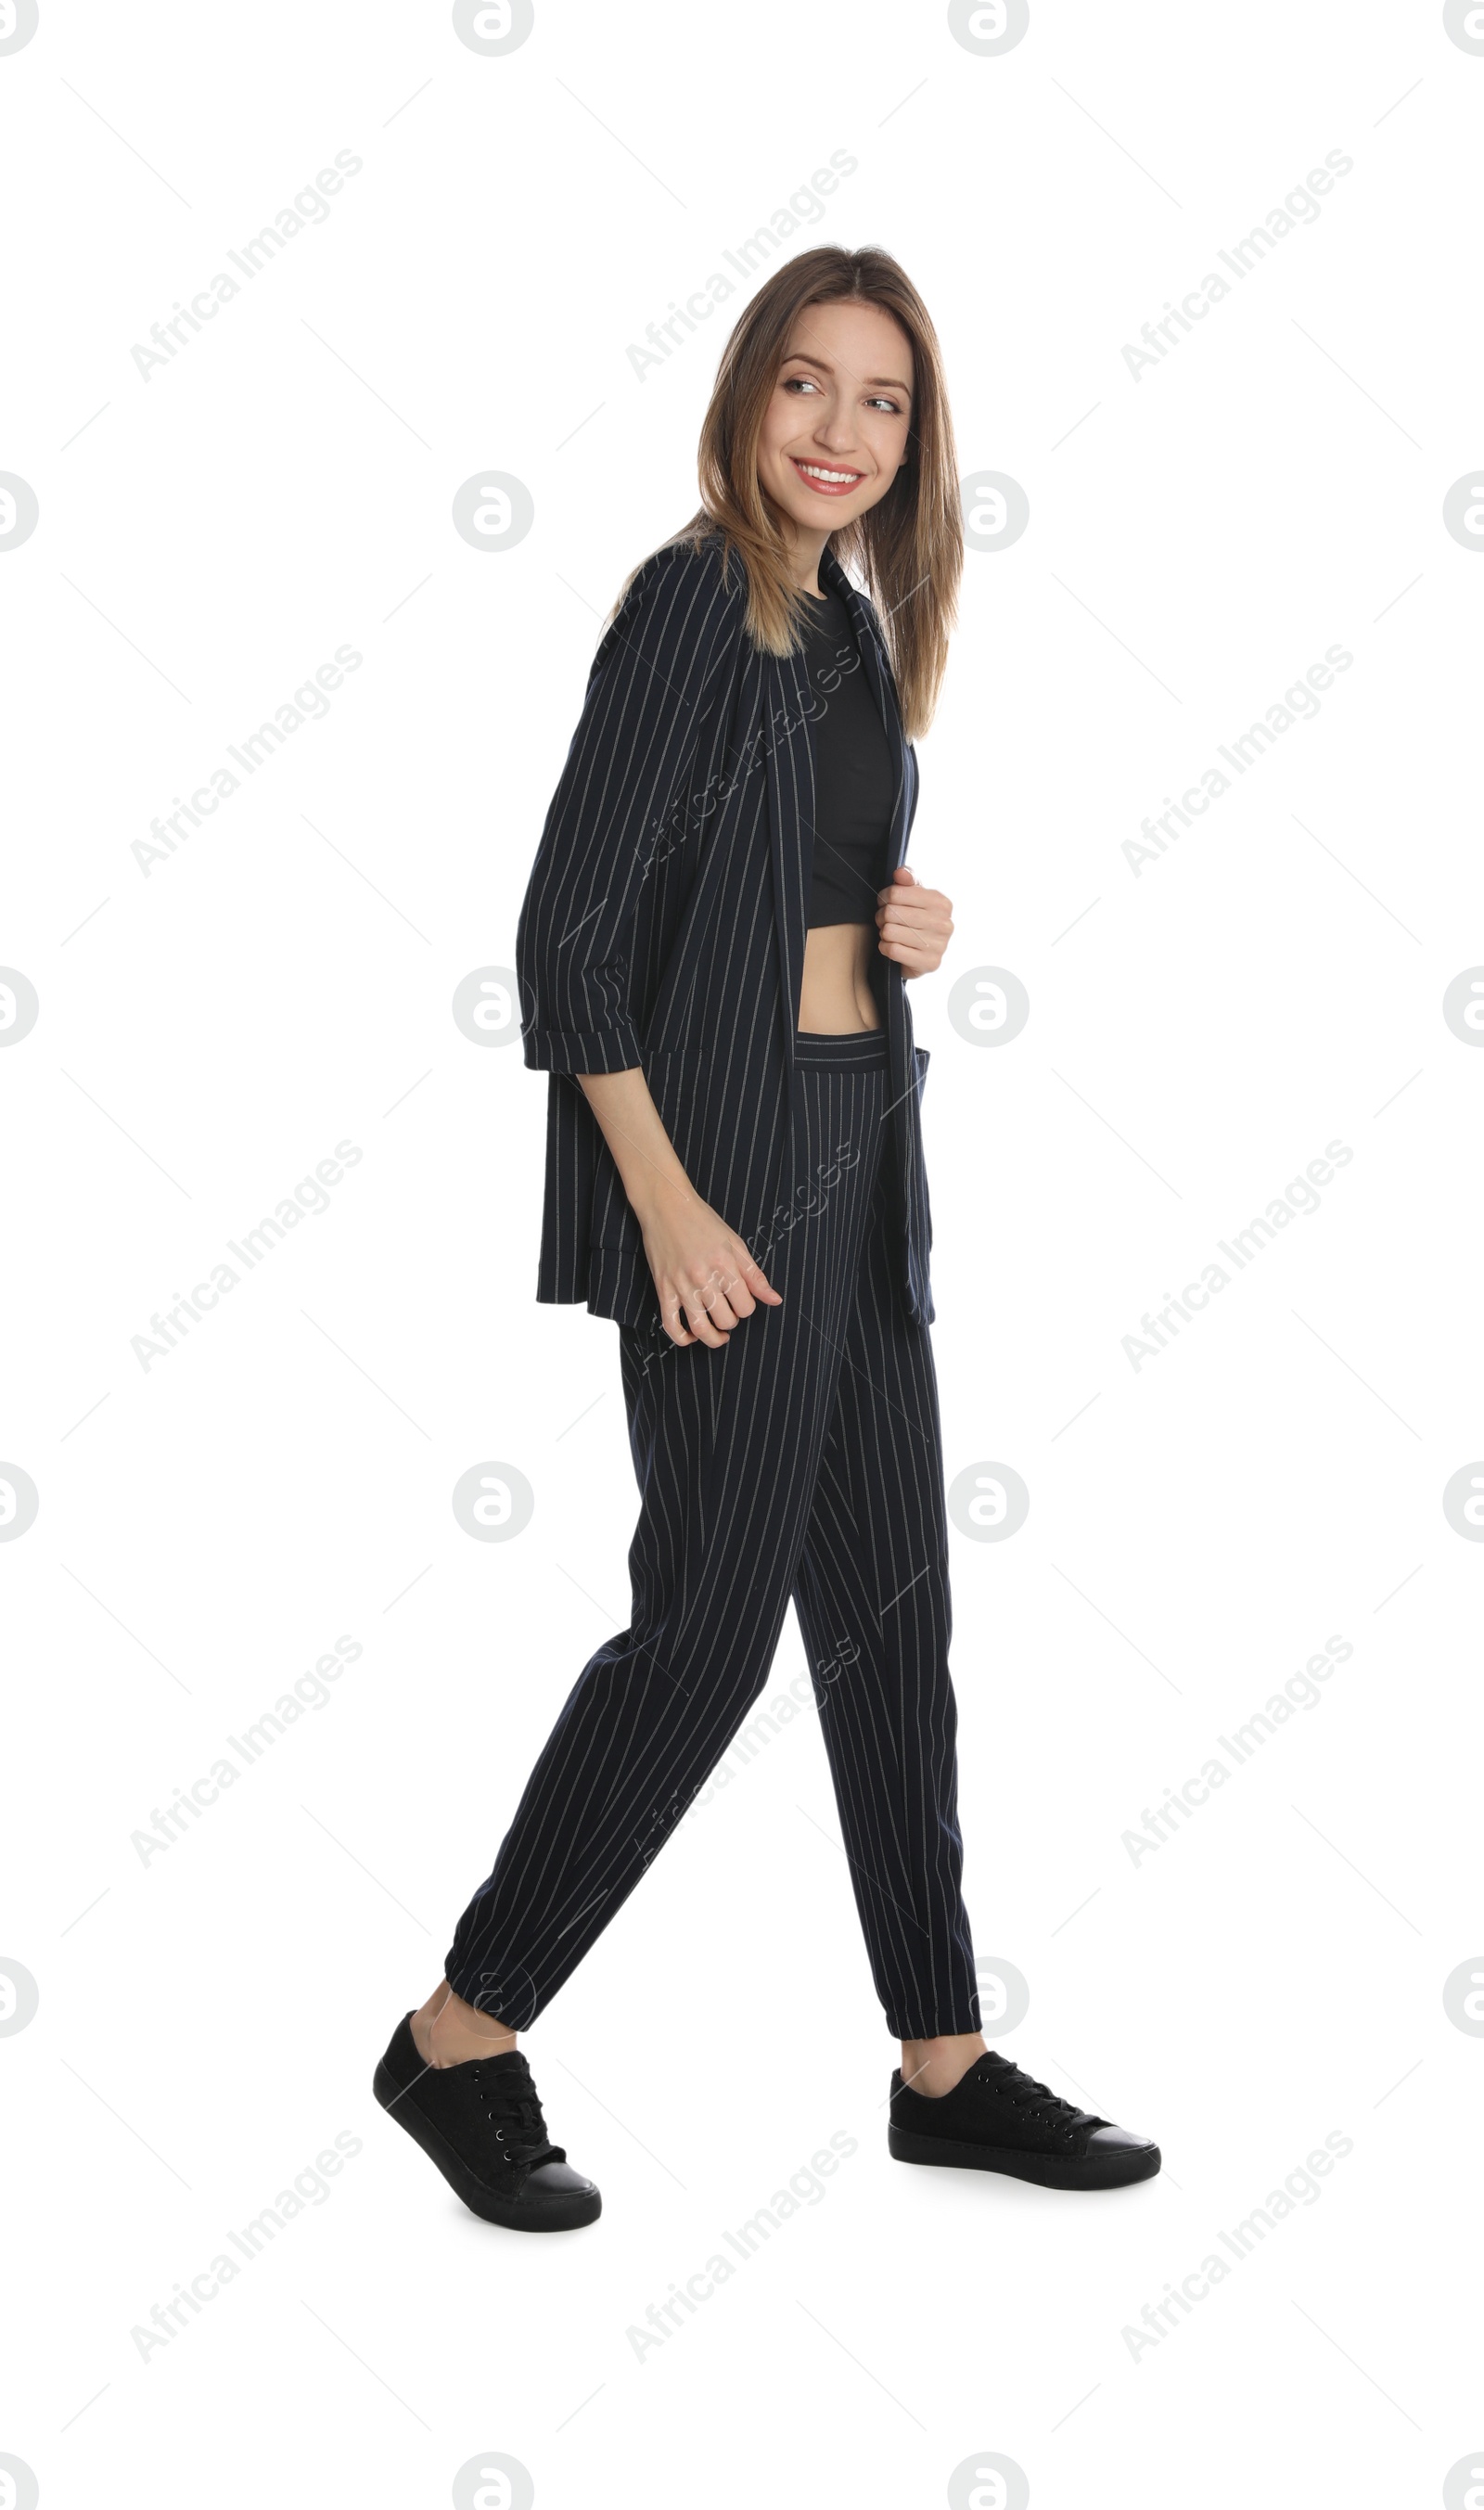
(835, 997)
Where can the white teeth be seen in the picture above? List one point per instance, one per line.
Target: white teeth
(813, 470)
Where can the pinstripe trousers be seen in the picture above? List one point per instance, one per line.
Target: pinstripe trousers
(803, 1459)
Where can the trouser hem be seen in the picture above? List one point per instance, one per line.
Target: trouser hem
(944, 2026)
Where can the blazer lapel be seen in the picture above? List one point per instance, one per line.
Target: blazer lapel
(783, 685)
(878, 671)
(883, 690)
(783, 730)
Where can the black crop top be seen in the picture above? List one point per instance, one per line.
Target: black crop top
(855, 778)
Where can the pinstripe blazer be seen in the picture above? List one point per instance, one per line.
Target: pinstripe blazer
(664, 927)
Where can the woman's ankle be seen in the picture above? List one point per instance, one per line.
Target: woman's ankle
(448, 2032)
(934, 2067)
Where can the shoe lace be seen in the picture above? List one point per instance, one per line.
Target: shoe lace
(514, 2107)
(1038, 2099)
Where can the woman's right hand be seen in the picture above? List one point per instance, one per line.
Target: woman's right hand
(706, 1279)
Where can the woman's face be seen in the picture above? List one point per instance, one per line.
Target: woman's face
(835, 431)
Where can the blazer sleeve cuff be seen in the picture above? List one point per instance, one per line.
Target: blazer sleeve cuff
(609, 1049)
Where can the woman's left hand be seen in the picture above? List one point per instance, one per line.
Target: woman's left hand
(915, 924)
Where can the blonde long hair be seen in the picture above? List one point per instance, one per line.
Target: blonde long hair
(909, 548)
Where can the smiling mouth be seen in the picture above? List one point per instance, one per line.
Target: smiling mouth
(824, 480)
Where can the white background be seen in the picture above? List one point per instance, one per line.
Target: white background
(1199, 1031)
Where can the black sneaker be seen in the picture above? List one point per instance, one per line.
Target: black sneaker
(997, 2118)
(481, 2123)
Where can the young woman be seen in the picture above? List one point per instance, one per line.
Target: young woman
(714, 953)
